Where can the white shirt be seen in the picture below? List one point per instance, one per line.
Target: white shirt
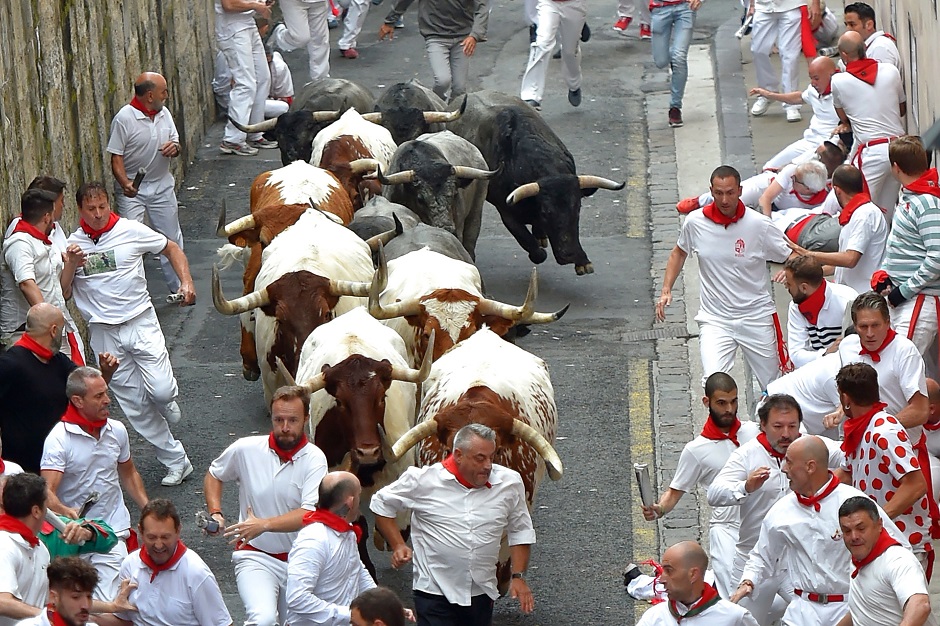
(824, 119)
(883, 49)
(88, 464)
(874, 110)
(881, 589)
(456, 531)
(227, 23)
(282, 84)
(813, 387)
(724, 613)
(789, 198)
(27, 258)
(138, 140)
(778, 6)
(23, 572)
(808, 342)
(733, 263)
(270, 487)
(324, 576)
(42, 620)
(866, 233)
(111, 287)
(10, 468)
(701, 460)
(186, 594)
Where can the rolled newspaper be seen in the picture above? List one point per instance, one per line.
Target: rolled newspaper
(58, 524)
(642, 471)
(743, 30)
(139, 178)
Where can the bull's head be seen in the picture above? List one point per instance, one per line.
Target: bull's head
(294, 132)
(406, 123)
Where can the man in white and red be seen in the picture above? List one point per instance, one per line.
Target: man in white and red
(880, 461)
(812, 387)
(733, 245)
(801, 534)
(174, 586)
(699, 463)
(888, 584)
(817, 313)
(870, 102)
(23, 558)
(324, 571)
(692, 600)
(71, 583)
(879, 45)
(863, 236)
(278, 476)
(88, 452)
(803, 186)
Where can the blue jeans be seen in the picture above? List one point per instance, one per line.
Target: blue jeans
(672, 34)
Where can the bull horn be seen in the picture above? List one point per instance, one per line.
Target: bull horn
(323, 116)
(362, 166)
(545, 318)
(315, 384)
(349, 288)
(462, 171)
(398, 178)
(522, 192)
(410, 439)
(386, 445)
(283, 373)
(515, 313)
(383, 238)
(546, 451)
(388, 311)
(220, 226)
(260, 127)
(375, 118)
(442, 117)
(411, 375)
(592, 182)
(239, 225)
(237, 306)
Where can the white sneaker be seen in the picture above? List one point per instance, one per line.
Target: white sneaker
(794, 115)
(177, 475)
(760, 106)
(172, 413)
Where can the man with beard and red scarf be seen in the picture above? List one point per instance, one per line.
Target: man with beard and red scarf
(88, 452)
(700, 461)
(691, 601)
(888, 585)
(71, 583)
(278, 476)
(733, 245)
(801, 534)
(104, 269)
(324, 571)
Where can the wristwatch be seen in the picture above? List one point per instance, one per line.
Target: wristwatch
(517, 575)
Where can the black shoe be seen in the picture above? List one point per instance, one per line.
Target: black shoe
(574, 97)
(585, 33)
(630, 573)
(532, 33)
(535, 104)
(675, 117)
(557, 54)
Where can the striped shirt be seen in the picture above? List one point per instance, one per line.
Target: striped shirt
(808, 342)
(912, 256)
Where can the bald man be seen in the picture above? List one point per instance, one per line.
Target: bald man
(691, 600)
(144, 138)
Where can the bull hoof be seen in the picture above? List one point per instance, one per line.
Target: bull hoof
(538, 256)
(251, 375)
(581, 270)
(543, 242)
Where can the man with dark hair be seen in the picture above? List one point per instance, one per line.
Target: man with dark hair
(377, 607)
(699, 463)
(23, 558)
(733, 245)
(278, 477)
(71, 583)
(887, 584)
(324, 572)
(879, 45)
(817, 314)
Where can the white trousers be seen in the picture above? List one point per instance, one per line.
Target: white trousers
(876, 168)
(802, 612)
(800, 151)
(144, 382)
(156, 200)
(782, 29)
(262, 585)
(251, 77)
(305, 22)
(275, 108)
(634, 8)
(722, 539)
(757, 339)
(565, 19)
(768, 602)
(925, 330)
(108, 566)
(352, 25)
(531, 10)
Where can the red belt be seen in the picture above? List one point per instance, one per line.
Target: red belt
(793, 233)
(858, 159)
(280, 556)
(820, 598)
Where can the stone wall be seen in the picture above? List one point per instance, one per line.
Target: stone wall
(67, 66)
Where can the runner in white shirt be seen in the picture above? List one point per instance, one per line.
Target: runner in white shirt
(888, 585)
(733, 245)
(23, 557)
(803, 186)
(700, 461)
(812, 387)
(278, 476)
(879, 45)
(71, 583)
(105, 270)
(86, 453)
(324, 571)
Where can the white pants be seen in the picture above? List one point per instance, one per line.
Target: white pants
(143, 383)
(531, 9)
(802, 612)
(782, 29)
(566, 19)
(630, 8)
(925, 330)
(158, 201)
(108, 566)
(275, 108)
(757, 339)
(876, 168)
(768, 601)
(800, 151)
(355, 18)
(722, 539)
(449, 65)
(305, 22)
(262, 585)
(248, 66)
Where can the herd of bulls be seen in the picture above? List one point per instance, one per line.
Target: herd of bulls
(359, 280)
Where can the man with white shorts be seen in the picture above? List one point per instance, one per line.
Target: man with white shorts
(879, 45)
(278, 476)
(564, 19)
(111, 292)
(305, 24)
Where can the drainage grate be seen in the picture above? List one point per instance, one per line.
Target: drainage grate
(663, 332)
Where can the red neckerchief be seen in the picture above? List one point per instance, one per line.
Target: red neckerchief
(813, 304)
(711, 431)
(3, 466)
(451, 466)
(866, 70)
(857, 200)
(54, 618)
(828, 90)
(712, 213)
(140, 106)
(816, 199)
(762, 438)
(332, 520)
(884, 542)
(156, 569)
(286, 456)
(876, 353)
(709, 599)
(33, 346)
(931, 426)
(23, 226)
(928, 184)
(13, 525)
(813, 501)
(72, 416)
(855, 427)
(96, 234)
